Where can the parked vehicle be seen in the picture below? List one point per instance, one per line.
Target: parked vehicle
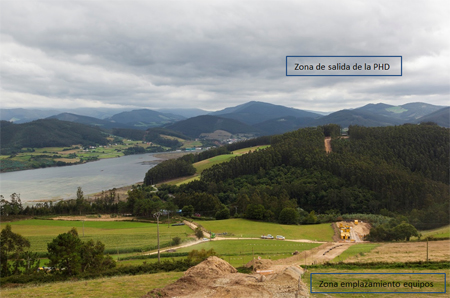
(279, 237)
(269, 236)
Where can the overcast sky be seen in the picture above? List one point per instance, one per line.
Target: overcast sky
(216, 54)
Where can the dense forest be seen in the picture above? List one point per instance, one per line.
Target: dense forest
(48, 133)
(384, 170)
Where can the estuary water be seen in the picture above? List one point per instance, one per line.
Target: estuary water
(62, 182)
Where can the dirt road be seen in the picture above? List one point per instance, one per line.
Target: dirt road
(327, 144)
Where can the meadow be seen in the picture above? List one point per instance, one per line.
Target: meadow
(121, 236)
(355, 250)
(244, 228)
(240, 252)
(117, 286)
(442, 232)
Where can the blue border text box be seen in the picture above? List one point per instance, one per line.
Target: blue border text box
(443, 274)
(291, 71)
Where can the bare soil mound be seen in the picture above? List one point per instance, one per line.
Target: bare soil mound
(215, 277)
(211, 267)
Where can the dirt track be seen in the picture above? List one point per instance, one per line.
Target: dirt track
(327, 142)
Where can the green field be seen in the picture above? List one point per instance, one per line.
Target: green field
(253, 229)
(442, 232)
(116, 235)
(355, 250)
(207, 163)
(117, 286)
(396, 110)
(237, 247)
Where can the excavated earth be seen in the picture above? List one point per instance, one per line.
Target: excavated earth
(215, 277)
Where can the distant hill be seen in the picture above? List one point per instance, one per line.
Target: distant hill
(147, 135)
(106, 124)
(257, 112)
(408, 112)
(284, 124)
(187, 113)
(25, 115)
(344, 118)
(143, 119)
(49, 133)
(440, 117)
(195, 126)
(417, 110)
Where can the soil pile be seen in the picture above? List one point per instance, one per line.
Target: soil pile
(211, 267)
(215, 277)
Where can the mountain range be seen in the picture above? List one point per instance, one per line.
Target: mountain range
(256, 118)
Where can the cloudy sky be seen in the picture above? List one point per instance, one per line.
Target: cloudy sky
(216, 54)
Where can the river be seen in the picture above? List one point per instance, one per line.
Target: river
(62, 182)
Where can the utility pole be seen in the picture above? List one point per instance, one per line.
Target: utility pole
(427, 249)
(157, 215)
(168, 219)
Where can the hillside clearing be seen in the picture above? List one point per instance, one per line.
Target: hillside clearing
(207, 163)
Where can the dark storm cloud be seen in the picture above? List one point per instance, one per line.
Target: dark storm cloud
(214, 54)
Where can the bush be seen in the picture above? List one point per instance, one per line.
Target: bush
(223, 214)
(176, 241)
(198, 256)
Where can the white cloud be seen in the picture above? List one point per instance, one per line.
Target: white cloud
(214, 54)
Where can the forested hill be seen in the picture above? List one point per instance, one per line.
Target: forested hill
(49, 133)
(384, 170)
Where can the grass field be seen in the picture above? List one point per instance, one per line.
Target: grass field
(355, 250)
(239, 252)
(114, 234)
(442, 232)
(252, 229)
(118, 286)
(207, 163)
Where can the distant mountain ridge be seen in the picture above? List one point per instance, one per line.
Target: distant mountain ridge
(257, 112)
(106, 124)
(195, 126)
(440, 117)
(254, 117)
(145, 118)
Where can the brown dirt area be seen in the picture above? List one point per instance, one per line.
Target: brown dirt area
(215, 277)
(327, 144)
(362, 228)
(407, 252)
(68, 160)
